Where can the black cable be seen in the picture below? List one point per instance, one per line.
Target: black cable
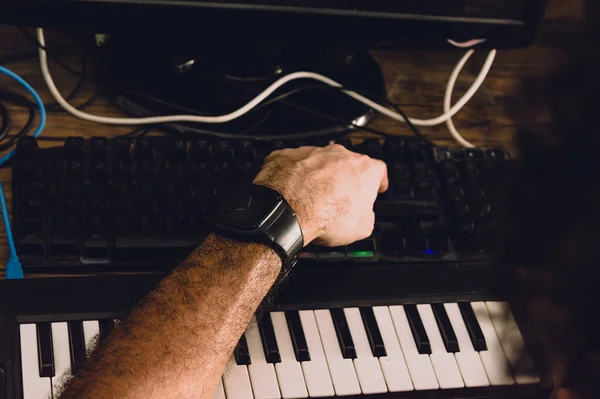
(89, 101)
(319, 114)
(19, 100)
(281, 98)
(55, 106)
(386, 101)
(138, 132)
(9, 59)
(82, 75)
(55, 59)
(410, 125)
(5, 116)
(166, 103)
(24, 130)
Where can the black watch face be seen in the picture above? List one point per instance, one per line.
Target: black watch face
(248, 209)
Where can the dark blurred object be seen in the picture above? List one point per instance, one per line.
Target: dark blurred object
(553, 259)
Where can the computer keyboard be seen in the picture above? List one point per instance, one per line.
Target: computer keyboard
(136, 204)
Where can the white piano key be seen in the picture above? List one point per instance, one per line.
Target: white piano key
(343, 375)
(419, 366)
(444, 363)
(236, 381)
(367, 366)
(512, 342)
(393, 365)
(468, 359)
(62, 356)
(262, 374)
(220, 392)
(289, 370)
(91, 329)
(316, 372)
(34, 386)
(493, 359)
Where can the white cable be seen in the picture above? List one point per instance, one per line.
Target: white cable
(467, 44)
(448, 96)
(255, 101)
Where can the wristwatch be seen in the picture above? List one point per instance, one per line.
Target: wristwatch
(261, 214)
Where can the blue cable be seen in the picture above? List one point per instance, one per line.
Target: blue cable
(38, 101)
(13, 266)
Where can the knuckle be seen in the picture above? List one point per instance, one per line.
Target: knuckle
(336, 147)
(272, 155)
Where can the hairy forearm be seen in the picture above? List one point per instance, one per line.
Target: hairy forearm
(176, 342)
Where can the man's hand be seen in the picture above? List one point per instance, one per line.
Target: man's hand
(331, 189)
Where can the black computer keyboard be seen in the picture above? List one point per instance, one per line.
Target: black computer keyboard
(135, 204)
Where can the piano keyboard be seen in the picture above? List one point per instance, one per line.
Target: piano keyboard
(325, 352)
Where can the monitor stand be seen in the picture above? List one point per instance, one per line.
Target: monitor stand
(216, 78)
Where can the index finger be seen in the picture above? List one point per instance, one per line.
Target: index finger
(377, 175)
(379, 170)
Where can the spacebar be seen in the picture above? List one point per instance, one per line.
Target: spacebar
(406, 208)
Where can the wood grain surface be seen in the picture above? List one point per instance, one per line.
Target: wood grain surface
(514, 98)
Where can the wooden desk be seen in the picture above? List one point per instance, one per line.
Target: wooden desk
(513, 98)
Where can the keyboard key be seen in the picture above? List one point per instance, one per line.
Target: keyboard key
(267, 335)
(511, 340)
(373, 333)
(34, 386)
(106, 327)
(91, 330)
(362, 249)
(45, 351)
(444, 363)
(475, 333)
(316, 372)
(343, 374)
(62, 354)
(289, 370)
(469, 362)
(392, 364)
(417, 329)
(220, 392)
(297, 335)
(493, 359)
(419, 365)
(76, 345)
(262, 374)
(98, 147)
(445, 327)
(241, 354)
(343, 333)
(236, 381)
(367, 366)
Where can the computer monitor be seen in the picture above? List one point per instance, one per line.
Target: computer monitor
(387, 23)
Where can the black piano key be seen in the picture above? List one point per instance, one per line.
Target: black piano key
(343, 334)
(241, 353)
(106, 326)
(418, 329)
(267, 335)
(373, 333)
(477, 337)
(45, 349)
(445, 327)
(76, 345)
(297, 335)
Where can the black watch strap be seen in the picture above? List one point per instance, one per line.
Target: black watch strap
(261, 214)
